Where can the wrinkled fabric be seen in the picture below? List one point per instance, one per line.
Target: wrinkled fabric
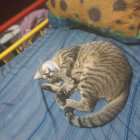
(119, 19)
(29, 112)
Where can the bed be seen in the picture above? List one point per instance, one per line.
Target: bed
(29, 112)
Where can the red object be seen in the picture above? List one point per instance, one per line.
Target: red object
(19, 16)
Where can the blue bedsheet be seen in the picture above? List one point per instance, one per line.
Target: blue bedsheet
(28, 112)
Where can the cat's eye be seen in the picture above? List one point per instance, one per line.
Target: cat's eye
(47, 74)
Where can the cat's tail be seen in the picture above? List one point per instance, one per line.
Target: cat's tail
(105, 115)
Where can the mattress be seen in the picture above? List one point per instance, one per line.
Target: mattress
(29, 112)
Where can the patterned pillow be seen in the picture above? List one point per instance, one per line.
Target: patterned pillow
(118, 18)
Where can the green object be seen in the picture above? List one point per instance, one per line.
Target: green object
(138, 36)
(119, 33)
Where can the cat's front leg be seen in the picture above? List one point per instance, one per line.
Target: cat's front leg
(61, 99)
(63, 75)
(66, 89)
(62, 89)
(63, 93)
(50, 87)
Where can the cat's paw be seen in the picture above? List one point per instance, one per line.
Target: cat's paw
(46, 86)
(62, 90)
(69, 116)
(68, 109)
(61, 99)
(70, 88)
(66, 88)
(62, 107)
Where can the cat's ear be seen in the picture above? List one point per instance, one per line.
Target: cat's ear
(37, 75)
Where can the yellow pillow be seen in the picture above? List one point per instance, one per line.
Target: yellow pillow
(119, 17)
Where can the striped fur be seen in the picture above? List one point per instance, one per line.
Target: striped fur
(100, 71)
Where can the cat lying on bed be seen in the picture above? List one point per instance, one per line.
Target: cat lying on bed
(99, 70)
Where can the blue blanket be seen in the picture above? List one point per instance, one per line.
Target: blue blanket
(28, 112)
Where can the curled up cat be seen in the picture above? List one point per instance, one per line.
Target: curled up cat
(99, 70)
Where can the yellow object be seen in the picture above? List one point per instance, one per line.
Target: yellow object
(119, 16)
(5, 61)
(17, 50)
(23, 39)
(41, 33)
(30, 42)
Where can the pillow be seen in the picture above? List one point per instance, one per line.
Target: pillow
(118, 18)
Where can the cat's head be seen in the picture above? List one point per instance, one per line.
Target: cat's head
(48, 71)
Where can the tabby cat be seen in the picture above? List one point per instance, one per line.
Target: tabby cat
(99, 70)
